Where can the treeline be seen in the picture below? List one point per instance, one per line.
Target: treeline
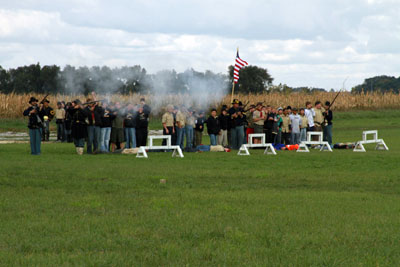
(381, 84)
(123, 80)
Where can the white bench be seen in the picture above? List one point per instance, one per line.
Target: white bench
(380, 144)
(303, 147)
(244, 149)
(177, 151)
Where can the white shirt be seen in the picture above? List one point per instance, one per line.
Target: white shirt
(310, 114)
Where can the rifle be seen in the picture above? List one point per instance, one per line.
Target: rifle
(333, 101)
(92, 102)
(44, 98)
(329, 107)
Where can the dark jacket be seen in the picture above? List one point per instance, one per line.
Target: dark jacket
(79, 125)
(142, 120)
(213, 125)
(130, 119)
(329, 117)
(200, 122)
(269, 124)
(107, 118)
(224, 121)
(34, 120)
(239, 121)
(46, 112)
(95, 115)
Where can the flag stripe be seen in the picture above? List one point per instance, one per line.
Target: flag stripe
(239, 64)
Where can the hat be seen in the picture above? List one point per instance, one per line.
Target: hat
(235, 101)
(32, 100)
(59, 103)
(280, 108)
(76, 102)
(259, 104)
(289, 107)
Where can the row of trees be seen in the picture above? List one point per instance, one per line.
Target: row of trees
(52, 79)
(380, 84)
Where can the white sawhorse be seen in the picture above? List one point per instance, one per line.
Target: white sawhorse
(380, 144)
(303, 145)
(177, 151)
(244, 149)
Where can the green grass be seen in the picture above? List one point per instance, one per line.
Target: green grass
(293, 209)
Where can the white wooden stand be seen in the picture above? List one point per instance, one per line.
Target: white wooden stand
(303, 145)
(380, 144)
(177, 151)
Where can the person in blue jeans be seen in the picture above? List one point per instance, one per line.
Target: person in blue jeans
(180, 126)
(189, 128)
(34, 125)
(213, 127)
(106, 123)
(94, 113)
(130, 127)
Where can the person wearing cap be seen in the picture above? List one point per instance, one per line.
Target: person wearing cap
(34, 125)
(213, 128)
(269, 125)
(327, 125)
(79, 126)
(304, 125)
(238, 120)
(107, 117)
(60, 120)
(167, 121)
(46, 115)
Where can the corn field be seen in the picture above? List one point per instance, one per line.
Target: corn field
(12, 105)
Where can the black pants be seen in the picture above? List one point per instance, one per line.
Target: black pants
(286, 138)
(141, 136)
(269, 138)
(173, 140)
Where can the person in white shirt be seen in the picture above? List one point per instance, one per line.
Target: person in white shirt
(310, 114)
(295, 124)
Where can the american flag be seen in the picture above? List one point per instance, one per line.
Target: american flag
(240, 63)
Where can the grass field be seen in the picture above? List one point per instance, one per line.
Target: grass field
(293, 209)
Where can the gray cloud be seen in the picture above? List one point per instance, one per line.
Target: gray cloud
(312, 42)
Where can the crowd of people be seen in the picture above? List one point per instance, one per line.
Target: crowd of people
(231, 127)
(105, 126)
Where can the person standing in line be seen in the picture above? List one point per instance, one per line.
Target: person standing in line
(94, 113)
(46, 115)
(180, 130)
(60, 121)
(213, 128)
(259, 117)
(304, 125)
(142, 125)
(327, 125)
(117, 129)
(250, 122)
(278, 122)
(106, 124)
(79, 126)
(130, 126)
(310, 114)
(189, 126)
(167, 121)
(199, 128)
(285, 127)
(295, 124)
(224, 124)
(35, 126)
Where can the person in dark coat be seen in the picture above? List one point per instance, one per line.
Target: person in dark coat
(46, 114)
(213, 127)
(94, 113)
(106, 124)
(35, 126)
(79, 126)
(142, 124)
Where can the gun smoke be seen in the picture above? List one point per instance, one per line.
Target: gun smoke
(190, 88)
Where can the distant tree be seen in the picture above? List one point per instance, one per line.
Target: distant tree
(4, 81)
(380, 84)
(252, 79)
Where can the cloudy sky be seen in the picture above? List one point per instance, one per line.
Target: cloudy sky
(302, 43)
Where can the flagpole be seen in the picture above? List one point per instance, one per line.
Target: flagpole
(233, 82)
